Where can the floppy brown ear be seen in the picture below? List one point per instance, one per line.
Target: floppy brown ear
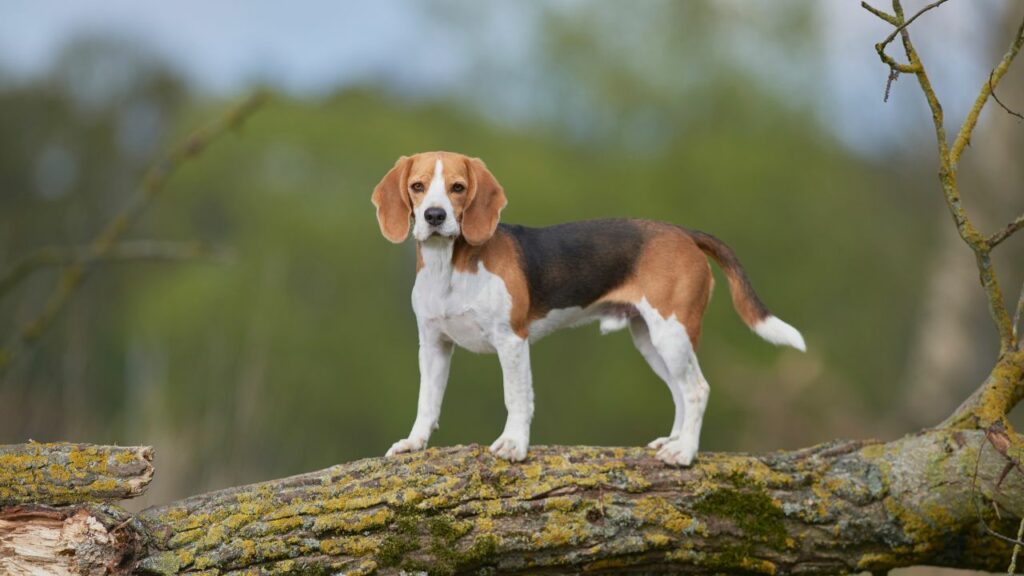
(392, 201)
(486, 199)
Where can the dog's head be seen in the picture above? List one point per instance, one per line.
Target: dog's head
(441, 193)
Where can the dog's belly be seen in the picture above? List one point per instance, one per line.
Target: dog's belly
(612, 317)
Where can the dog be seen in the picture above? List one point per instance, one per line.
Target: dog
(491, 287)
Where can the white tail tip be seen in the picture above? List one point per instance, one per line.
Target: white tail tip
(779, 333)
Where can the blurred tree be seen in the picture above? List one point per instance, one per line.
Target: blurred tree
(72, 146)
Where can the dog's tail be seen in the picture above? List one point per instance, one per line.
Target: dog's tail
(751, 310)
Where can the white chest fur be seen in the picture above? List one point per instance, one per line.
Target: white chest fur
(470, 307)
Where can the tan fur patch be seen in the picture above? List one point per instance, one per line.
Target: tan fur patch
(500, 256)
(674, 276)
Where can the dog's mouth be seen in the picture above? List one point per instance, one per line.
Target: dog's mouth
(438, 234)
(440, 231)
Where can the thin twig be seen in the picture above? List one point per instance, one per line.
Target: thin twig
(883, 15)
(992, 89)
(904, 25)
(1017, 316)
(156, 250)
(1016, 549)
(1007, 231)
(895, 68)
(152, 185)
(893, 76)
(977, 507)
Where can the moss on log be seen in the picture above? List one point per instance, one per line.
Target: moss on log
(836, 508)
(62, 473)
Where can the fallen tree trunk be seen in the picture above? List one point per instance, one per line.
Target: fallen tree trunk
(835, 508)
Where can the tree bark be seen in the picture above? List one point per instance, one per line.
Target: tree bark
(835, 508)
(36, 538)
(70, 473)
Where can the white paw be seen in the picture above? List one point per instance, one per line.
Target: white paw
(510, 448)
(411, 444)
(659, 442)
(678, 452)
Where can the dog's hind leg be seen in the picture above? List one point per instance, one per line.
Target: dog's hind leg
(642, 340)
(674, 346)
(695, 397)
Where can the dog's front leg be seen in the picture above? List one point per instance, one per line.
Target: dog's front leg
(435, 361)
(514, 354)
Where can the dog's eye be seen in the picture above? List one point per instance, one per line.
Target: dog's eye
(417, 186)
(458, 188)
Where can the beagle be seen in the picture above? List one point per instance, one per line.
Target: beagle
(497, 288)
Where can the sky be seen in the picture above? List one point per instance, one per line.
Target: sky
(223, 46)
(316, 46)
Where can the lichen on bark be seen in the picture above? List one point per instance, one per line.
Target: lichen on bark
(62, 473)
(838, 507)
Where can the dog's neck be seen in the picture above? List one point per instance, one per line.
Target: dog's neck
(435, 256)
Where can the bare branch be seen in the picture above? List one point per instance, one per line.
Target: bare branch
(938, 118)
(883, 15)
(964, 136)
(1016, 549)
(995, 397)
(152, 185)
(899, 18)
(1017, 316)
(155, 250)
(948, 176)
(997, 238)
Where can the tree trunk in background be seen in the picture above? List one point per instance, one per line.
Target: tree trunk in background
(950, 335)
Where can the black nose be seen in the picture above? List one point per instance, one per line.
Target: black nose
(434, 216)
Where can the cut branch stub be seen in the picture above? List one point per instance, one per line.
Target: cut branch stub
(60, 473)
(91, 539)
